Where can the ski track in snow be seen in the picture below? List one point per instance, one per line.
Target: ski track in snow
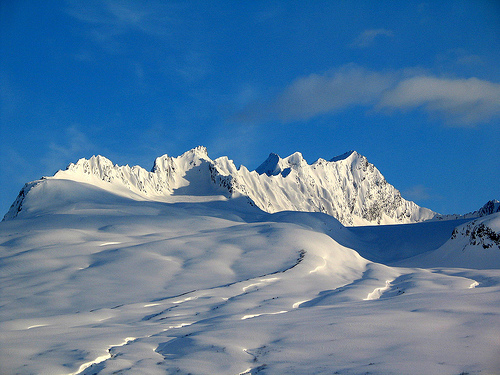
(256, 315)
(204, 304)
(251, 285)
(259, 283)
(110, 243)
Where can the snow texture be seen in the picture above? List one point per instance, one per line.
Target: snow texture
(116, 270)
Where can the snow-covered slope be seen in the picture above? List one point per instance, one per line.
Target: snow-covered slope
(348, 187)
(475, 244)
(106, 281)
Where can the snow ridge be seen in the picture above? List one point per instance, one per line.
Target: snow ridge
(347, 187)
(17, 206)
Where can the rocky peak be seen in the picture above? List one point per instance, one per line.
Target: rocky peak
(489, 208)
(344, 156)
(271, 166)
(275, 165)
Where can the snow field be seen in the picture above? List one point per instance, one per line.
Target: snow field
(101, 283)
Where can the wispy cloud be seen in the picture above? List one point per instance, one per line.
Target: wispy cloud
(330, 92)
(367, 37)
(75, 144)
(459, 57)
(318, 94)
(461, 102)
(417, 193)
(110, 19)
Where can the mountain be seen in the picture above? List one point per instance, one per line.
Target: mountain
(347, 187)
(488, 208)
(108, 269)
(116, 270)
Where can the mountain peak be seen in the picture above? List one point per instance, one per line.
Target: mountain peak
(345, 156)
(270, 166)
(275, 165)
(295, 159)
(199, 150)
(95, 160)
(489, 208)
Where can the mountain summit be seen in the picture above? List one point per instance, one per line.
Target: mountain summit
(347, 187)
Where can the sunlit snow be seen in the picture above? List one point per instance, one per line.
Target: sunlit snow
(96, 281)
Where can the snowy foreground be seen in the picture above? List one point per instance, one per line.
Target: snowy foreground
(96, 283)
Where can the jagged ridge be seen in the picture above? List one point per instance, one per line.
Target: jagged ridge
(347, 187)
(490, 207)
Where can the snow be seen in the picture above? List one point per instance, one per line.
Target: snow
(468, 246)
(101, 278)
(348, 187)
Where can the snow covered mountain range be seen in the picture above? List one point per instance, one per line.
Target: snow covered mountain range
(347, 187)
(198, 267)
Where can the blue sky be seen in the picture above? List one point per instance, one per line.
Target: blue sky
(413, 86)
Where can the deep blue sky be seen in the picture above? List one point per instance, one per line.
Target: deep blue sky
(413, 86)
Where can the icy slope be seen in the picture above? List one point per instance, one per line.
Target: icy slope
(95, 282)
(348, 187)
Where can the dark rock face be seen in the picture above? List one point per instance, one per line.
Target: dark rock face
(478, 234)
(17, 206)
(489, 208)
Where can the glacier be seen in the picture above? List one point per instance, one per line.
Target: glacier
(108, 269)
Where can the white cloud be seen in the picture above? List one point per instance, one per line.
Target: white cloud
(318, 94)
(330, 92)
(109, 19)
(460, 101)
(417, 193)
(367, 37)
